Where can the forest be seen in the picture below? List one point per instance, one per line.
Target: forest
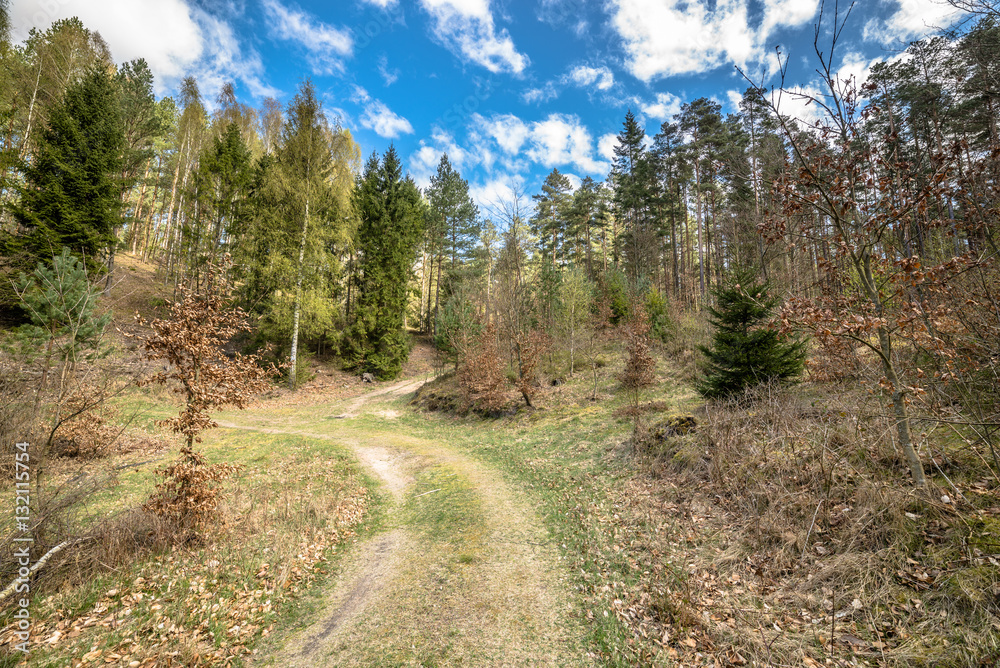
(848, 256)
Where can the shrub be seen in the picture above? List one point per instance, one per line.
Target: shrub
(192, 340)
(660, 326)
(481, 374)
(639, 363)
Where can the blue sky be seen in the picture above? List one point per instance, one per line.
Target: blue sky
(509, 89)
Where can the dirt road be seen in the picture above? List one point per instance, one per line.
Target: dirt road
(463, 572)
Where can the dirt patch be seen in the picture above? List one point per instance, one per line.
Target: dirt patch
(374, 563)
(387, 466)
(395, 390)
(490, 595)
(135, 289)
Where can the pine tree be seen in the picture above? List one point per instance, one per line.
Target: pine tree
(63, 330)
(671, 174)
(701, 122)
(745, 350)
(586, 224)
(451, 228)
(551, 221)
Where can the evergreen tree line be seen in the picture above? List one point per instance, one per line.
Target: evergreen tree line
(332, 255)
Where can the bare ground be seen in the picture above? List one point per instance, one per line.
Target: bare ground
(496, 595)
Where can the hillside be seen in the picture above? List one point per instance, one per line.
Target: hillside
(364, 527)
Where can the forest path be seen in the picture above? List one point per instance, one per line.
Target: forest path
(463, 572)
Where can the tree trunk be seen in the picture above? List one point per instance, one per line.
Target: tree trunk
(31, 113)
(437, 295)
(171, 222)
(698, 219)
(149, 214)
(899, 409)
(137, 214)
(298, 301)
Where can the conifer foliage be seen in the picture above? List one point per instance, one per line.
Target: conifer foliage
(391, 212)
(72, 192)
(745, 351)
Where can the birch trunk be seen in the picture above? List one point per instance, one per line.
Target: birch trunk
(293, 358)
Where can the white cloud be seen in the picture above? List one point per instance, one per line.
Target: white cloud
(226, 58)
(505, 144)
(424, 162)
(165, 33)
(800, 103)
(175, 39)
(910, 19)
(606, 146)
(778, 13)
(543, 94)
(665, 106)
(584, 76)
(326, 45)
(385, 122)
(493, 186)
(560, 139)
(856, 67)
(670, 37)
(390, 76)
(498, 196)
(384, 4)
(508, 131)
(735, 99)
(379, 118)
(466, 26)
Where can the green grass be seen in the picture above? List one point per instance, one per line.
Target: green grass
(443, 506)
(567, 459)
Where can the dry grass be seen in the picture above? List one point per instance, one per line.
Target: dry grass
(823, 552)
(129, 593)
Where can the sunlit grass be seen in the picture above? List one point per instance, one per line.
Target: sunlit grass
(283, 522)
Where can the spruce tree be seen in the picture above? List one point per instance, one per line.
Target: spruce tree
(630, 178)
(745, 351)
(72, 193)
(391, 212)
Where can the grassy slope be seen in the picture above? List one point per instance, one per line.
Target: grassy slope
(286, 521)
(782, 533)
(711, 548)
